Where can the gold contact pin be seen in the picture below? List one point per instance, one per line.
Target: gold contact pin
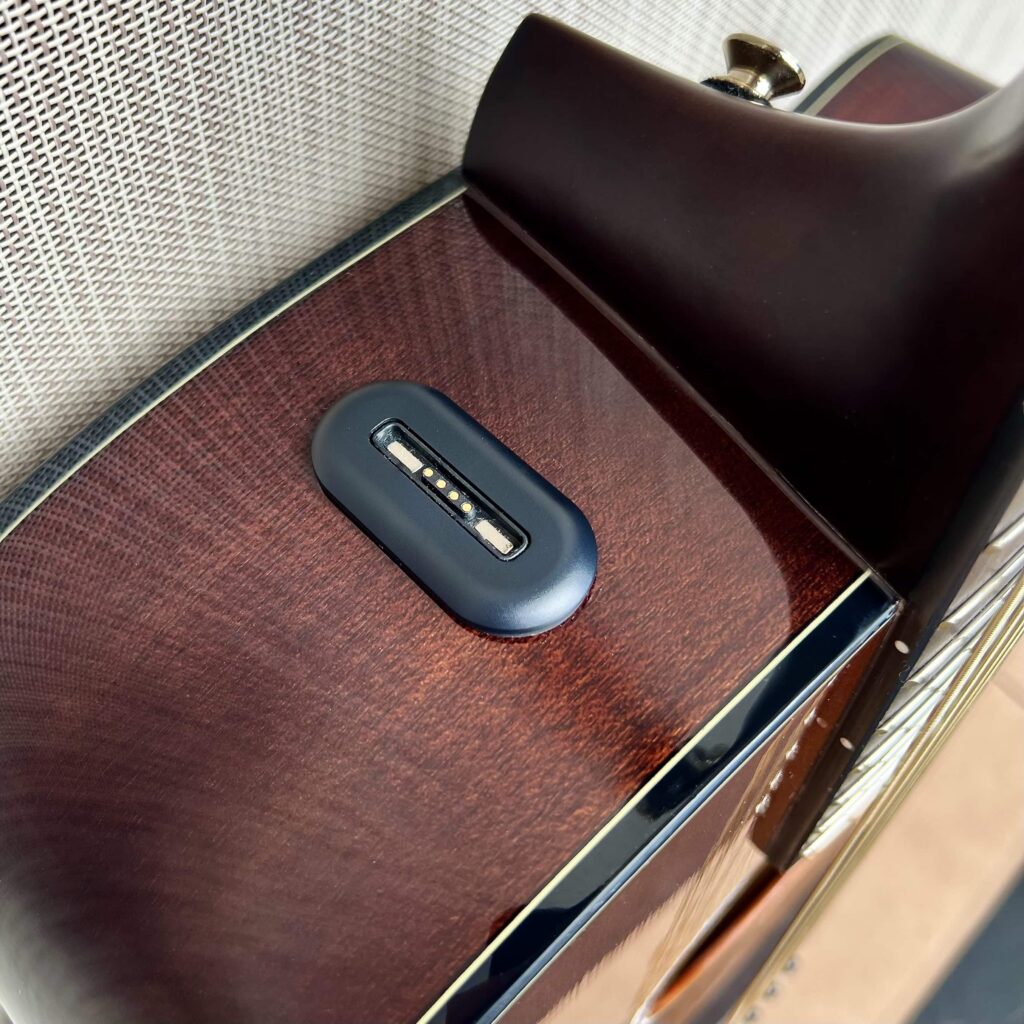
(405, 457)
(493, 536)
(472, 511)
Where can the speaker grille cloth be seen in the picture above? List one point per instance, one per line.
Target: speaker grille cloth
(166, 163)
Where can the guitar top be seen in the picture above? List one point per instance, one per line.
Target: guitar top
(254, 771)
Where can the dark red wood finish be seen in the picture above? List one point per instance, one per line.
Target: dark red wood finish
(251, 771)
(903, 85)
(829, 289)
(735, 811)
(802, 770)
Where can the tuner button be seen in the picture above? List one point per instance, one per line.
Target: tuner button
(758, 70)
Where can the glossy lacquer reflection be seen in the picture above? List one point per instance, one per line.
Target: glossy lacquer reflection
(252, 770)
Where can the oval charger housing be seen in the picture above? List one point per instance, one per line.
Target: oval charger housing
(495, 544)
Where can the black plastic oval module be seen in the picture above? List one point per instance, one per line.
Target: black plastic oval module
(490, 539)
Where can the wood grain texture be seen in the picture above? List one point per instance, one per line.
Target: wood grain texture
(903, 85)
(632, 951)
(601, 977)
(798, 272)
(250, 770)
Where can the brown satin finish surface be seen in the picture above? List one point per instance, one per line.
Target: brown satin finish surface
(251, 771)
(903, 84)
(846, 297)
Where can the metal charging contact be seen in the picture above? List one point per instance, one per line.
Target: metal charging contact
(487, 537)
(450, 490)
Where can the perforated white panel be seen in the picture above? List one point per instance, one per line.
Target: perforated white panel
(165, 163)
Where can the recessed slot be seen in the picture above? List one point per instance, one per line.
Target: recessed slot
(434, 476)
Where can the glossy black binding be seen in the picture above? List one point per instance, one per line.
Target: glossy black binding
(660, 808)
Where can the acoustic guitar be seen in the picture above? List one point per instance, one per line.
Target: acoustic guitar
(531, 609)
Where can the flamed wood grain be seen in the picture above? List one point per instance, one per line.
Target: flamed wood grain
(901, 85)
(252, 772)
(636, 944)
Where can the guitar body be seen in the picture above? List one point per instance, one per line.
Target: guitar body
(254, 771)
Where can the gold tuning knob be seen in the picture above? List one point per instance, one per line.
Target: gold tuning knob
(758, 70)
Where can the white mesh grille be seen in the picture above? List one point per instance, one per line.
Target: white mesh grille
(165, 163)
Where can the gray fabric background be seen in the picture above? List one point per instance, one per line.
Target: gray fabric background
(166, 163)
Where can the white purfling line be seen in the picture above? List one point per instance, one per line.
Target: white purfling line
(883, 45)
(679, 755)
(234, 343)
